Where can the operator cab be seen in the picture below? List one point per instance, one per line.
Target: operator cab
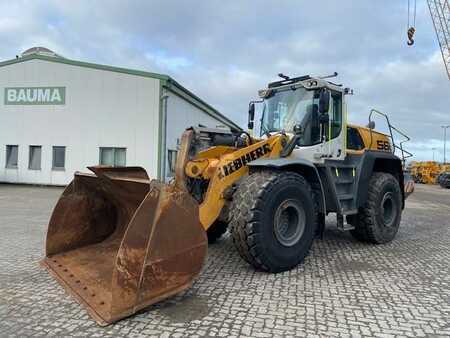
(310, 108)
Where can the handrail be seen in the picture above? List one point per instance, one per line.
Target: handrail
(404, 153)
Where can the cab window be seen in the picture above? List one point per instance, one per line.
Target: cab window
(335, 113)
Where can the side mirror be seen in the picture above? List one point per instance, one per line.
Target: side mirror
(298, 129)
(251, 116)
(324, 101)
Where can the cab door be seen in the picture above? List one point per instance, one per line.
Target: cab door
(334, 132)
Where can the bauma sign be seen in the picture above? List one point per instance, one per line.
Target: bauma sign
(35, 95)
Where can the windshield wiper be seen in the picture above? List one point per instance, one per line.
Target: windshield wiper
(265, 130)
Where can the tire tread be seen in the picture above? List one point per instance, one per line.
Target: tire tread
(366, 227)
(245, 213)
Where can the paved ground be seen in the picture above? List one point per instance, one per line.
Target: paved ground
(343, 288)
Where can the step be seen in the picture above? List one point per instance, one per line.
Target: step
(346, 227)
(349, 212)
(344, 172)
(344, 180)
(342, 224)
(345, 197)
(345, 166)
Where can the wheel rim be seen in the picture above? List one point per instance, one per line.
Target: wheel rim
(388, 209)
(289, 222)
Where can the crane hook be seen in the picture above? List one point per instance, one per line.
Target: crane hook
(411, 32)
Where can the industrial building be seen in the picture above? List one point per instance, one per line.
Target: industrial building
(58, 116)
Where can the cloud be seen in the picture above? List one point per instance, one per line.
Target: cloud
(170, 63)
(422, 150)
(225, 51)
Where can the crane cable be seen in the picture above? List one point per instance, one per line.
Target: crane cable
(411, 28)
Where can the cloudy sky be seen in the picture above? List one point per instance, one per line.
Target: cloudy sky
(225, 51)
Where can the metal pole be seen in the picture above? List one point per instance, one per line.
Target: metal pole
(433, 152)
(445, 141)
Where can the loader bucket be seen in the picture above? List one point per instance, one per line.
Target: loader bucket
(119, 242)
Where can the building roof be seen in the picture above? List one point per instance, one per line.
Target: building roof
(166, 81)
(41, 51)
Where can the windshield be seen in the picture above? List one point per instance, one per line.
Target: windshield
(289, 107)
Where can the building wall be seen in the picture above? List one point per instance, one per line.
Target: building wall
(102, 109)
(182, 114)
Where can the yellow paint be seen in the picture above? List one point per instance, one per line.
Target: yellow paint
(216, 152)
(214, 199)
(196, 168)
(371, 138)
(427, 172)
(209, 165)
(203, 164)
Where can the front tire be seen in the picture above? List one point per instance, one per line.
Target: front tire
(379, 219)
(273, 220)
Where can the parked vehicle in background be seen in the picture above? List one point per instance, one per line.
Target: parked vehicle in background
(444, 180)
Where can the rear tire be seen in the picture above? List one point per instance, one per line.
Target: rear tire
(379, 219)
(216, 230)
(273, 220)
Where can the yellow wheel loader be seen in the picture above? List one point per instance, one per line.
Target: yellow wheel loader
(118, 241)
(426, 172)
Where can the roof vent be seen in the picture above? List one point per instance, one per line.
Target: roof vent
(40, 51)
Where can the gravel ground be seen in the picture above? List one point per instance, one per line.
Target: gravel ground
(343, 288)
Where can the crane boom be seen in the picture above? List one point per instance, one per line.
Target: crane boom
(440, 14)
